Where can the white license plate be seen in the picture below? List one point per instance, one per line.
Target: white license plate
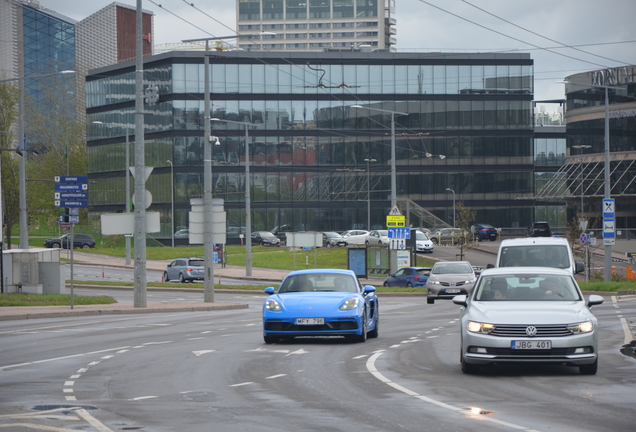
(310, 321)
(532, 345)
(452, 290)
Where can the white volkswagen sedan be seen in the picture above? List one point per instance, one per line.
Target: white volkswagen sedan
(528, 315)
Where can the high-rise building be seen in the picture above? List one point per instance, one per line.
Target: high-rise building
(316, 25)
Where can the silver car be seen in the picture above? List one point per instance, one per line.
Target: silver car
(529, 314)
(448, 279)
(184, 270)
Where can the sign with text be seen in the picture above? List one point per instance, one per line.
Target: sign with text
(395, 221)
(71, 179)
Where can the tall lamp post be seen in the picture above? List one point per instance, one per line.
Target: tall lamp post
(581, 147)
(248, 218)
(607, 186)
(368, 161)
(449, 189)
(393, 173)
(127, 198)
(172, 198)
(24, 226)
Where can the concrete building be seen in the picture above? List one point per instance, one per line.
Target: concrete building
(316, 25)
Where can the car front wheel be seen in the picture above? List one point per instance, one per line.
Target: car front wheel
(165, 277)
(434, 240)
(329, 245)
(430, 300)
(386, 284)
(85, 246)
(409, 285)
(270, 339)
(590, 369)
(363, 335)
(468, 368)
(56, 245)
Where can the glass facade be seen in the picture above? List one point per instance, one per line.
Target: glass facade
(469, 128)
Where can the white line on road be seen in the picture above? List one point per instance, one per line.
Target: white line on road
(61, 358)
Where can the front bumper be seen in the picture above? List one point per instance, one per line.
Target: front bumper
(333, 326)
(573, 350)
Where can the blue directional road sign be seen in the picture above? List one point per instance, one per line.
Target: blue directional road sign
(399, 233)
(71, 187)
(71, 179)
(62, 203)
(71, 195)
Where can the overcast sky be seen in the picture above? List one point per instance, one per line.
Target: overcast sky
(604, 30)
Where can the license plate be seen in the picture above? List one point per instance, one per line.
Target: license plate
(532, 345)
(310, 321)
(452, 290)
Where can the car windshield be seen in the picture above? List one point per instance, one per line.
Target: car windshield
(526, 287)
(267, 234)
(452, 268)
(319, 282)
(420, 236)
(555, 256)
(332, 235)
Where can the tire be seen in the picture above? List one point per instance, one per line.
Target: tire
(430, 300)
(329, 245)
(85, 246)
(493, 239)
(468, 368)
(270, 339)
(182, 279)
(409, 285)
(165, 277)
(376, 331)
(434, 240)
(386, 284)
(590, 369)
(56, 245)
(366, 242)
(363, 335)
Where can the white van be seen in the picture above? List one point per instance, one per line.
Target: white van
(537, 252)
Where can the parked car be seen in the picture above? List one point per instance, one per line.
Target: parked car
(527, 315)
(234, 231)
(447, 236)
(377, 237)
(184, 270)
(423, 243)
(332, 239)
(357, 237)
(182, 234)
(408, 277)
(538, 252)
(448, 279)
(483, 232)
(539, 229)
(265, 238)
(84, 241)
(322, 302)
(281, 231)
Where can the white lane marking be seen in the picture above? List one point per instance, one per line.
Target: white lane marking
(374, 371)
(628, 334)
(242, 384)
(207, 331)
(69, 383)
(196, 338)
(157, 343)
(256, 349)
(71, 398)
(94, 363)
(107, 357)
(300, 351)
(275, 376)
(121, 351)
(61, 358)
(75, 376)
(93, 421)
(198, 353)
(360, 356)
(67, 391)
(144, 397)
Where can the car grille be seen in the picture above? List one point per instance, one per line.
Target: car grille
(520, 330)
(329, 326)
(526, 353)
(453, 283)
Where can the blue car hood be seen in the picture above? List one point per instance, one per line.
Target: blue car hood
(313, 300)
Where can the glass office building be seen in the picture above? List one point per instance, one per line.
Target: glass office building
(316, 161)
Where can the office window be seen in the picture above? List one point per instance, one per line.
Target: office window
(319, 9)
(296, 9)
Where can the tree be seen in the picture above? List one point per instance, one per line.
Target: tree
(465, 216)
(9, 168)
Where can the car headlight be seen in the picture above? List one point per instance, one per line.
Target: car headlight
(434, 282)
(476, 327)
(272, 305)
(584, 327)
(352, 303)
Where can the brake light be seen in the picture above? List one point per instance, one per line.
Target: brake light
(416, 278)
(189, 269)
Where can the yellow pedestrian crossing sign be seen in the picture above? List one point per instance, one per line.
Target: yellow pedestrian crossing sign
(395, 211)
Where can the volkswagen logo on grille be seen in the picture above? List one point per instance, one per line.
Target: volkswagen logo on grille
(531, 331)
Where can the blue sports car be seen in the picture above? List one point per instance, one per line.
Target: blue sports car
(320, 302)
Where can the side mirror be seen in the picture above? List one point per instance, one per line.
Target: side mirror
(594, 300)
(369, 289)
(460, 300)
(490, 266)
(269, 290)
(579, 267)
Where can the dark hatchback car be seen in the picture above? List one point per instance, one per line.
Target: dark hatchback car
(484, 232)
(539, 229)
(84, 241)
(408, 277)
(265, 238)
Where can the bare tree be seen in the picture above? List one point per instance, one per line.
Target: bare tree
(9, 167)
(463, 220)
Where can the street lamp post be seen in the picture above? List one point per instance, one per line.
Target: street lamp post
(607, 186)
(248, 218)
(449, 189)
(24, 227)
(581, 147)
(172, 198)
(393, 171)
(368, 161)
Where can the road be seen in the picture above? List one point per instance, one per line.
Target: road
(202, 371)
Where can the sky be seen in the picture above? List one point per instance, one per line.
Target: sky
(563, 37)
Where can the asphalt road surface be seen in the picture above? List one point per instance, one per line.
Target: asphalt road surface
(211, 371)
